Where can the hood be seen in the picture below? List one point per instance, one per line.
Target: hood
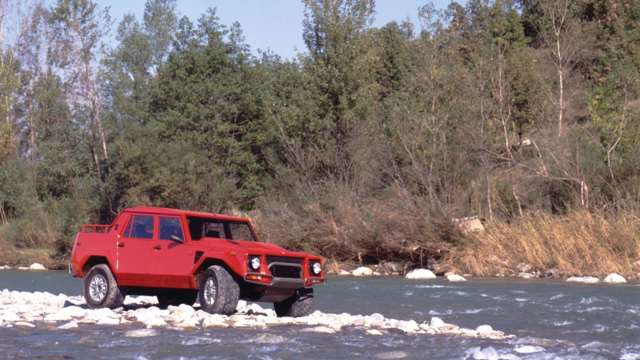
(252, 247)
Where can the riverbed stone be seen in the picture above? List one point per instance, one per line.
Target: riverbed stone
(584, 279)
(18, 308)
(362, 271)
(615, 279)
(421, 274)
(37, 267)
(70, 325)
(5, 267)
(526, 275)
(138, 333)
(455, 278)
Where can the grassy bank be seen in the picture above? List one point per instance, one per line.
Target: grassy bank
(580, 243)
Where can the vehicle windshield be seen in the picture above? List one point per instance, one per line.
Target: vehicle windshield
(219, 229)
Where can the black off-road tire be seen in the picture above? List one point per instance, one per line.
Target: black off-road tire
(225, 298)
(100, 276)
(176, 298)
(299, 304)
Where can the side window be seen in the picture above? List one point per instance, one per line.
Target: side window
(170, 229)
(214, 230)
(140, 227)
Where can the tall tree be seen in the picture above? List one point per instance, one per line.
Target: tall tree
(78, 28)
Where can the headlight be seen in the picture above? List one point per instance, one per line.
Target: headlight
(316, 268)
(254, 263)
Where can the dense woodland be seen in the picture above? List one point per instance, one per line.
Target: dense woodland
(364, 147)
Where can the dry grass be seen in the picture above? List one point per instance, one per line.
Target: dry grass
(580, 243)
(343, 227)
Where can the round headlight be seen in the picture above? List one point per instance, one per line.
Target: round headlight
(316, 268)
(255, 263)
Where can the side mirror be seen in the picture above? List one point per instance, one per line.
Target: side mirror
(175, 238)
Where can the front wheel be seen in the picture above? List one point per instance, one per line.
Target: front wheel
(218, 291)
(299, 304)
(101, 288)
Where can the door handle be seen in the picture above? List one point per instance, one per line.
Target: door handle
(157, 247)
(120, 244)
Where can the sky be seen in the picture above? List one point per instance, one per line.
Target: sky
(274, 25)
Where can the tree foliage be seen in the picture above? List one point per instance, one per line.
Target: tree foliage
(494, 108)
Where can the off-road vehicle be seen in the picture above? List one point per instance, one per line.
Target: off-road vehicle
(182, 256)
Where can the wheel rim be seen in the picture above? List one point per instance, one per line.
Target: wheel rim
(210, 291)
(98, 288)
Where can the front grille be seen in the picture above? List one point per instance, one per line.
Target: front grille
(279, 266)
(285, 271)
(283, 259)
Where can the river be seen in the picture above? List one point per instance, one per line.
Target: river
(550, 320)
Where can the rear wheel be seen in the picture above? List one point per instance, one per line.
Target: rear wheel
(218, 291)
(101, 288)
(176, 298)
(299, 304)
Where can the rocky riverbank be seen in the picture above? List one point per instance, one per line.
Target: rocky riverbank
(60, 312)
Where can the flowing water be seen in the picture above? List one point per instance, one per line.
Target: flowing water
(550, 320)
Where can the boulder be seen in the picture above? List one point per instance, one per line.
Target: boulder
(5, 267)
(455, 278)
(584, 279)
(420, 274)
(615, 279)
(344, 272)
(362, 271)
(37, 267)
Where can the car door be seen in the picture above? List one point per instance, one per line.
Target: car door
(134, 249)
(174, 259)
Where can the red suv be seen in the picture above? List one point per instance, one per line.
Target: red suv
(180, 256)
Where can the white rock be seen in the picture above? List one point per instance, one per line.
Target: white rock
(213, 321)
(362, 271)
(484, 329)
(344, 272)
(141, 333)
(420, 274)
(436, 322)
(69, 325)
(374, 332)
(5, 267)
(584, 279)
(455, 278)
(391, 355)
(24, 324)
(615, 279)
(526, 275)
(320, 329)
(37, 266)
(150, 317)
(66, 314)
(528, 349)
(23, 268)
